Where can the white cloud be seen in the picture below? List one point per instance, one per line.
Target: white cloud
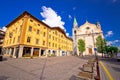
(67, 34)
(74, 8)
(69, 16)
(114, 1)
(115, 41)
(109, 33)
(3, 28)
(109, 43)
(112, 42)
(52, 18)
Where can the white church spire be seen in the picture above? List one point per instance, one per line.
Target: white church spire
(75, 24)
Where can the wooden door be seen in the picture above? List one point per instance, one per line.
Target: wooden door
(90, 50)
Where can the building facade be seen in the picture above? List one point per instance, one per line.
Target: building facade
(88, 32)
(2, 35)
(28, 36)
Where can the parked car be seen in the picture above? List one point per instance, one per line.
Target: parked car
(118, 56)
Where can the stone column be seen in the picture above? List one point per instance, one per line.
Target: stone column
(57, 52)
(6, 52)
(51, 51)
(32, 49)
(66, 53)
(46, 52)
(60, 53)
(14, 52)
(20, 51)
(39, 52)
(10, 51)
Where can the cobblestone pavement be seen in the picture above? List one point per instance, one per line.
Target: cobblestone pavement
(52, 68)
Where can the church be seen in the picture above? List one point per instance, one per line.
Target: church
(87, 32)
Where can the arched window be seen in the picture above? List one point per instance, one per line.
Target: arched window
(87, 27)
(75, 32)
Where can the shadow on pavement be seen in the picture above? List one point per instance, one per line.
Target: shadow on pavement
(4, 78)
(87, 57)
(4, 59)
(80, 68)
(73, 77)
(116, 69)
(110, 60)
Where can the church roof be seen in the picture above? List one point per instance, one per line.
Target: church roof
(75, 21)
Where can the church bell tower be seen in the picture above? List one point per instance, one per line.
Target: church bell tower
(74, 35)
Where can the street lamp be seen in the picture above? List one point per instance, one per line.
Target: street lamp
(97, 65)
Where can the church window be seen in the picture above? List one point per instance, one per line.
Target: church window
(31, 20)
(87, 27)
(75, 32)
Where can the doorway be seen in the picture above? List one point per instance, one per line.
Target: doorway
(90, 50)
(42, 52)
(36, 52)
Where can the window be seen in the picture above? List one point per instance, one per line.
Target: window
(38, 24)
(55, 32)
(44, 34)
(10, 41)
(16, 30)
(20, 27)
(61, 36)
(43, 42)
(87, 27)
(10, 34)
(75, 32)
(7, 42)
(31, 20)
(37, 41)
(18, 39)
(53, 37)
(49, 44)
(28, 39)
(38, 31)
(56, 39)
(30, 28)
(53, 44)
(56, 45)
(14, 40)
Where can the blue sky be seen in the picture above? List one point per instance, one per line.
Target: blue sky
(62, 12)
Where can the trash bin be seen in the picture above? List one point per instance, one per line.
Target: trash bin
(1, 57)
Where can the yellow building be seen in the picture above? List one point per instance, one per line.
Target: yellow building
(28, 36)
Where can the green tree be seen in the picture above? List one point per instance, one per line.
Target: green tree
(101, 45)
(81, 46)
(112, 50)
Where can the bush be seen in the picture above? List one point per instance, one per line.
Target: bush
(26, 55)
(51, 55)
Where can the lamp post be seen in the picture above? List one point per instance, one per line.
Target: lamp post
(97, 65)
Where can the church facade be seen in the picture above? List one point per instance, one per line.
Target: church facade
(87, 32)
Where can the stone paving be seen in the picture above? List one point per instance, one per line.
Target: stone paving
(51, 68)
